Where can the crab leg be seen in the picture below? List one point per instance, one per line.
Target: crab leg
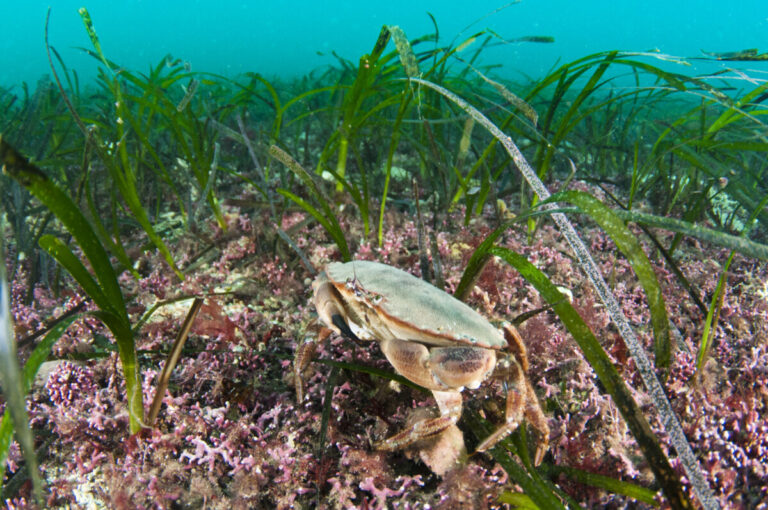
(514, 379)
(535, 416)
(449, 403)
(305, 353)
(412, 360)
(521, 401)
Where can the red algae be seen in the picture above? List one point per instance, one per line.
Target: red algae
(231, 435)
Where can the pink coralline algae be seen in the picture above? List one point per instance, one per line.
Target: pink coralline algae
(69, 382)
(231, 435)
(158, 283)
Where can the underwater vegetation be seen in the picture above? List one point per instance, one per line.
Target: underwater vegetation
(161, 231)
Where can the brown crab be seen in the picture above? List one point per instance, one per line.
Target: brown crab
(432, 339)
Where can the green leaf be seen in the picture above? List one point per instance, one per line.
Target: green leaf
(126, 347)
(628, 244)
(119, 167)
(107, 294)
(64, 256)
(86, 17)
(44, 189)
(533, 485)
(612, 485)
(606, 372)
(738, 243)
(518, 500)
(477, 261)
(332, 227)
(327, 219)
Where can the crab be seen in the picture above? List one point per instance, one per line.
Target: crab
(431, 339)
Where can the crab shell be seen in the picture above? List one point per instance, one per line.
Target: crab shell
(418, 311)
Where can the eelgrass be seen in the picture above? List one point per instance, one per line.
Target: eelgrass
(325, 215)
(15, 384)
(659, 463)
(102, 287)
(717, 140)
(363, 101)
(117, 162)
(630, 247)
(352, 107)
(718, 297)
(28, 373)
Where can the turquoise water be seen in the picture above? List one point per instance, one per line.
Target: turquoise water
(291, 38)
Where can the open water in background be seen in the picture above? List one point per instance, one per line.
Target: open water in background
(288, 39)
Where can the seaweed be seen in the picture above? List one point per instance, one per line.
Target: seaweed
(171, 180)
(104, 289)
(655, 456)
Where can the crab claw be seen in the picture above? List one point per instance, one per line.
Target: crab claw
(338, 321)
